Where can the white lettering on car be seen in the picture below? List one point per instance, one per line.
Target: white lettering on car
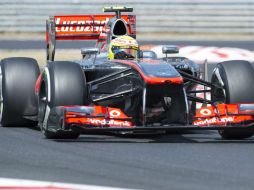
(57, 21)
(82, 25)
(71, 28)
(80, 28)
(213, 121)
(110, 122)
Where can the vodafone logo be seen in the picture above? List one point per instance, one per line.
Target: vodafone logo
(83, 25)
(114, 113)
(214, 121)
(110, 122)
(205, 112)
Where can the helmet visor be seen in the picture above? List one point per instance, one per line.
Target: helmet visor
(124, 53)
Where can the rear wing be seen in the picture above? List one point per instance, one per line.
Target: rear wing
(82, 27)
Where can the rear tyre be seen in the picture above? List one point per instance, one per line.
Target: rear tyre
(237, 78)
(63, 83)
(18, 78)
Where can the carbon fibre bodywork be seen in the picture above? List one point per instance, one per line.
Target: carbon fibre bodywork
(121, 84)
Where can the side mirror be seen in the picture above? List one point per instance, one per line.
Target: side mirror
(169, 49)
(148, 54)
(89, 51)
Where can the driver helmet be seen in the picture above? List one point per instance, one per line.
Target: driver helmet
(123, 47)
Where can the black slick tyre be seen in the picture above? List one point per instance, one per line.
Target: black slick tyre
(63, 84)
(18, 100)
(237, 78)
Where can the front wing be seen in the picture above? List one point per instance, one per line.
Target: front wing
(98, 118)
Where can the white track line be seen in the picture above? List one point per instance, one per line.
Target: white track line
(7, 183)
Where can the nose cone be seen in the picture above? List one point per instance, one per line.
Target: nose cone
(160, 71)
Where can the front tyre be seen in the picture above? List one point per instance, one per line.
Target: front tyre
(18, 101)
(63, 83)
(237, 79)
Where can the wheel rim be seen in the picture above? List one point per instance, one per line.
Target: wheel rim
(218, 94)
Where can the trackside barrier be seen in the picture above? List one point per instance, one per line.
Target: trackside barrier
(196, 16)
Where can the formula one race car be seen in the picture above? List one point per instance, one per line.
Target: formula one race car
(132, 95)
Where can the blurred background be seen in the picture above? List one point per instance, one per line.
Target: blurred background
(184, 18)
(202, 22)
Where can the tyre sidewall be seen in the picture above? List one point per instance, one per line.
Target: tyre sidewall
(19, 76)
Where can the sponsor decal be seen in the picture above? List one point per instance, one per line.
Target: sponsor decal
(83, 25)
(110, 122)
(104, 117)
(114, 113)
(205, 112)
(208, 111)
(214, 121)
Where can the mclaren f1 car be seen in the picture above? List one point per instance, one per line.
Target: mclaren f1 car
(67, 98)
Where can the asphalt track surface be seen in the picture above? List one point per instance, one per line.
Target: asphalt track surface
(199, 160)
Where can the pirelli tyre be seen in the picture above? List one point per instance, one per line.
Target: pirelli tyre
(18, 101)
(63, 83)
(237, 78)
